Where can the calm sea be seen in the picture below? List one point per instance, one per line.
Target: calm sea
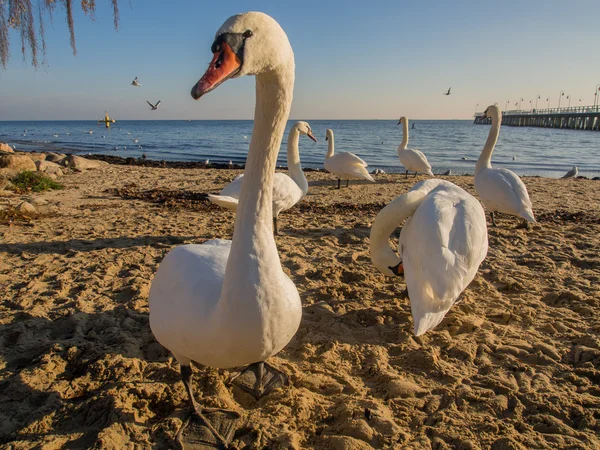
(453, 144)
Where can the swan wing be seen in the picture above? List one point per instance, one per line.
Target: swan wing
(442, 246)
(286, 193)
(348, 166)
(502, 190)
(233, 189)
(414, 160)
(224, 201)
(184, 297)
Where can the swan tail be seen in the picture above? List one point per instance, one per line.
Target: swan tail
(361, 172)
(224, 201)
(528, 216)
(427, 321)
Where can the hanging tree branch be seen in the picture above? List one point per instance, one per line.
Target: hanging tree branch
(19, 14)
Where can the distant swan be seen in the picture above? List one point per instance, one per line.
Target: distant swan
(412, 159)
(500, 189)
(287, 190)
(345, 165)
(442, 244)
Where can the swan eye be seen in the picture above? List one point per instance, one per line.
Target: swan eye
(248, 33)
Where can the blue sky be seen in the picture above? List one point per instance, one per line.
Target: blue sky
(354, 60)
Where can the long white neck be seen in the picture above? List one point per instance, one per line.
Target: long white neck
(293, 160)
(485, 159)
(330, 146)
(253, 259)
(404, 142)
(386, 222)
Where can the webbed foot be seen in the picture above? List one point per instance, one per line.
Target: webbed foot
(208, 428)
(259, 379)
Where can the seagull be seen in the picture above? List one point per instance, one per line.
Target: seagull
(153, 107)
(378, 171)
(135, 140)
(447, 172)
(447, 93)
(571, 173)
(135, 82)
(514, 158)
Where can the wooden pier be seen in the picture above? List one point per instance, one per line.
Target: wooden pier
(575, 118)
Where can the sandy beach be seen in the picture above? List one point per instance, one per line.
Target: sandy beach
(514, 365)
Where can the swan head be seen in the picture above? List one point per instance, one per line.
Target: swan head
(401, 120)
(304, 128)
(328, 134)
(493, 112)
(252, 43)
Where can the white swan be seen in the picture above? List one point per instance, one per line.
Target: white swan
(228, 303)
(441, 246)
(412, 159)
(287, 190)
(346, 165)
(500, 189)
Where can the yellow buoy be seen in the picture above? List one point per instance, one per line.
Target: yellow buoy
(107, 120)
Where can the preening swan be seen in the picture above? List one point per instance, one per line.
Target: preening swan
(346, 165)
(441, 246)
(287, 190)
(228, 303)
(500, 189)
(412, 159)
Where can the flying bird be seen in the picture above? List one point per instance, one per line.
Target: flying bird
(447, 93)
(153, 107)
(135, 82)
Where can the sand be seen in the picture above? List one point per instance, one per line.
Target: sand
(514, 365)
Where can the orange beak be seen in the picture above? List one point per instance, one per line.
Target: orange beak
(224, 65)
(312, 137)
(398, 269)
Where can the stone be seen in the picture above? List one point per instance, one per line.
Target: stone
(80, 164)
(38, 201)
(55, 158)
(6, 148)
(26, 207)
(19, 162)
(37, 156)
(49, 167)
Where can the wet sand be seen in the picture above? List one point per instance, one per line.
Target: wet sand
(514, 365)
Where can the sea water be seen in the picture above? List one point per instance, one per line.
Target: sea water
(448, 144)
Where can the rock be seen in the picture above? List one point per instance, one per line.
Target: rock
(55, 157)
(49, 167)
(38, 201)
(19, 162)
(80, 164)
(26, 207)
(37, 156)
(6, 148)
(52, 176)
